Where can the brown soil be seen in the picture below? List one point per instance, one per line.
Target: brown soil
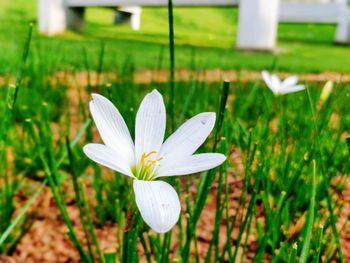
(216, 75)
(82, 78)
(210, 75)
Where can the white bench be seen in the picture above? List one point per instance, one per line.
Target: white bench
(330, 12)
(257, 24)
(56, 15)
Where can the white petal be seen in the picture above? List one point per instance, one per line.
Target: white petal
(292, 89)
(193, 164)
(266, 77)
(187, 139)
(150, 124)
(112, 127)
(158, 203)
(108, 157)
(275, 84)
(290, 81)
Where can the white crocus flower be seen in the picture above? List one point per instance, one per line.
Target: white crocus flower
(149, 158)
(279, 87)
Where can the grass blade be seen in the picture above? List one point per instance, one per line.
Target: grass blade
(172, 63)
(319, 237)
(22, 213)
(310, 218)
(110, 256)
(209, 177)
(326, 183)
(293, 255)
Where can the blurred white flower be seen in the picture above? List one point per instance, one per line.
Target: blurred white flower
(279, 87)
(149, 158)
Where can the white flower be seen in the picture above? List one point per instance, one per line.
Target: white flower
(279, 87)
(149, 158)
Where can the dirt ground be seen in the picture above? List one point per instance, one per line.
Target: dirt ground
(162, 76)
(210, 75)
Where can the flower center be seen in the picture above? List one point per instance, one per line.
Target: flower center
(145, 170)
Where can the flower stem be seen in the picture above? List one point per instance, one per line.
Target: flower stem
(172, 62)
(207, 179)
(310, 219)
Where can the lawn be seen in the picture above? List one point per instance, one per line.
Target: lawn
(276, 190)
(209, 43)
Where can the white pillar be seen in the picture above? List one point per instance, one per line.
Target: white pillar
(54, 17)
(131, 15)
(342, 34)
(135, 20)
(51, 16)
(257, 25)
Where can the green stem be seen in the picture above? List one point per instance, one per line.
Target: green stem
(21, 214)
(84, 212)
(319, 238)
(293, 254)
(325, 182)
(207, 179)
(283, 137)
(172, 63)
(310, 218)
(71, 232)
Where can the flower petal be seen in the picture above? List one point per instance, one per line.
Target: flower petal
(266, 77)
(187, 139)
(292, 89)
(275, 83)
(158, 203)
(106, 156)
(150, 124)
(290, 81)
(112, 127)
(193, 164)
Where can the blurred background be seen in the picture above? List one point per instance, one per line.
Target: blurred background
(206, 35)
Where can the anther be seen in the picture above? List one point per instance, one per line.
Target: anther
(144, 156)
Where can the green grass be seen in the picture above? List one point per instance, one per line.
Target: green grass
(276, 140)
(210, 41)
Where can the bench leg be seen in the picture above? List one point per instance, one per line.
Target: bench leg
(135, 21)
(342, 34)
(257, 26)
(75, 18)
(51, 16)
(130, 15)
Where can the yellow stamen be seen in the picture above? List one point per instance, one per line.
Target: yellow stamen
(144, 156)
(150, 163)
(146, 168)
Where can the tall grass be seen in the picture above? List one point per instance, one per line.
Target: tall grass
(9, 184)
